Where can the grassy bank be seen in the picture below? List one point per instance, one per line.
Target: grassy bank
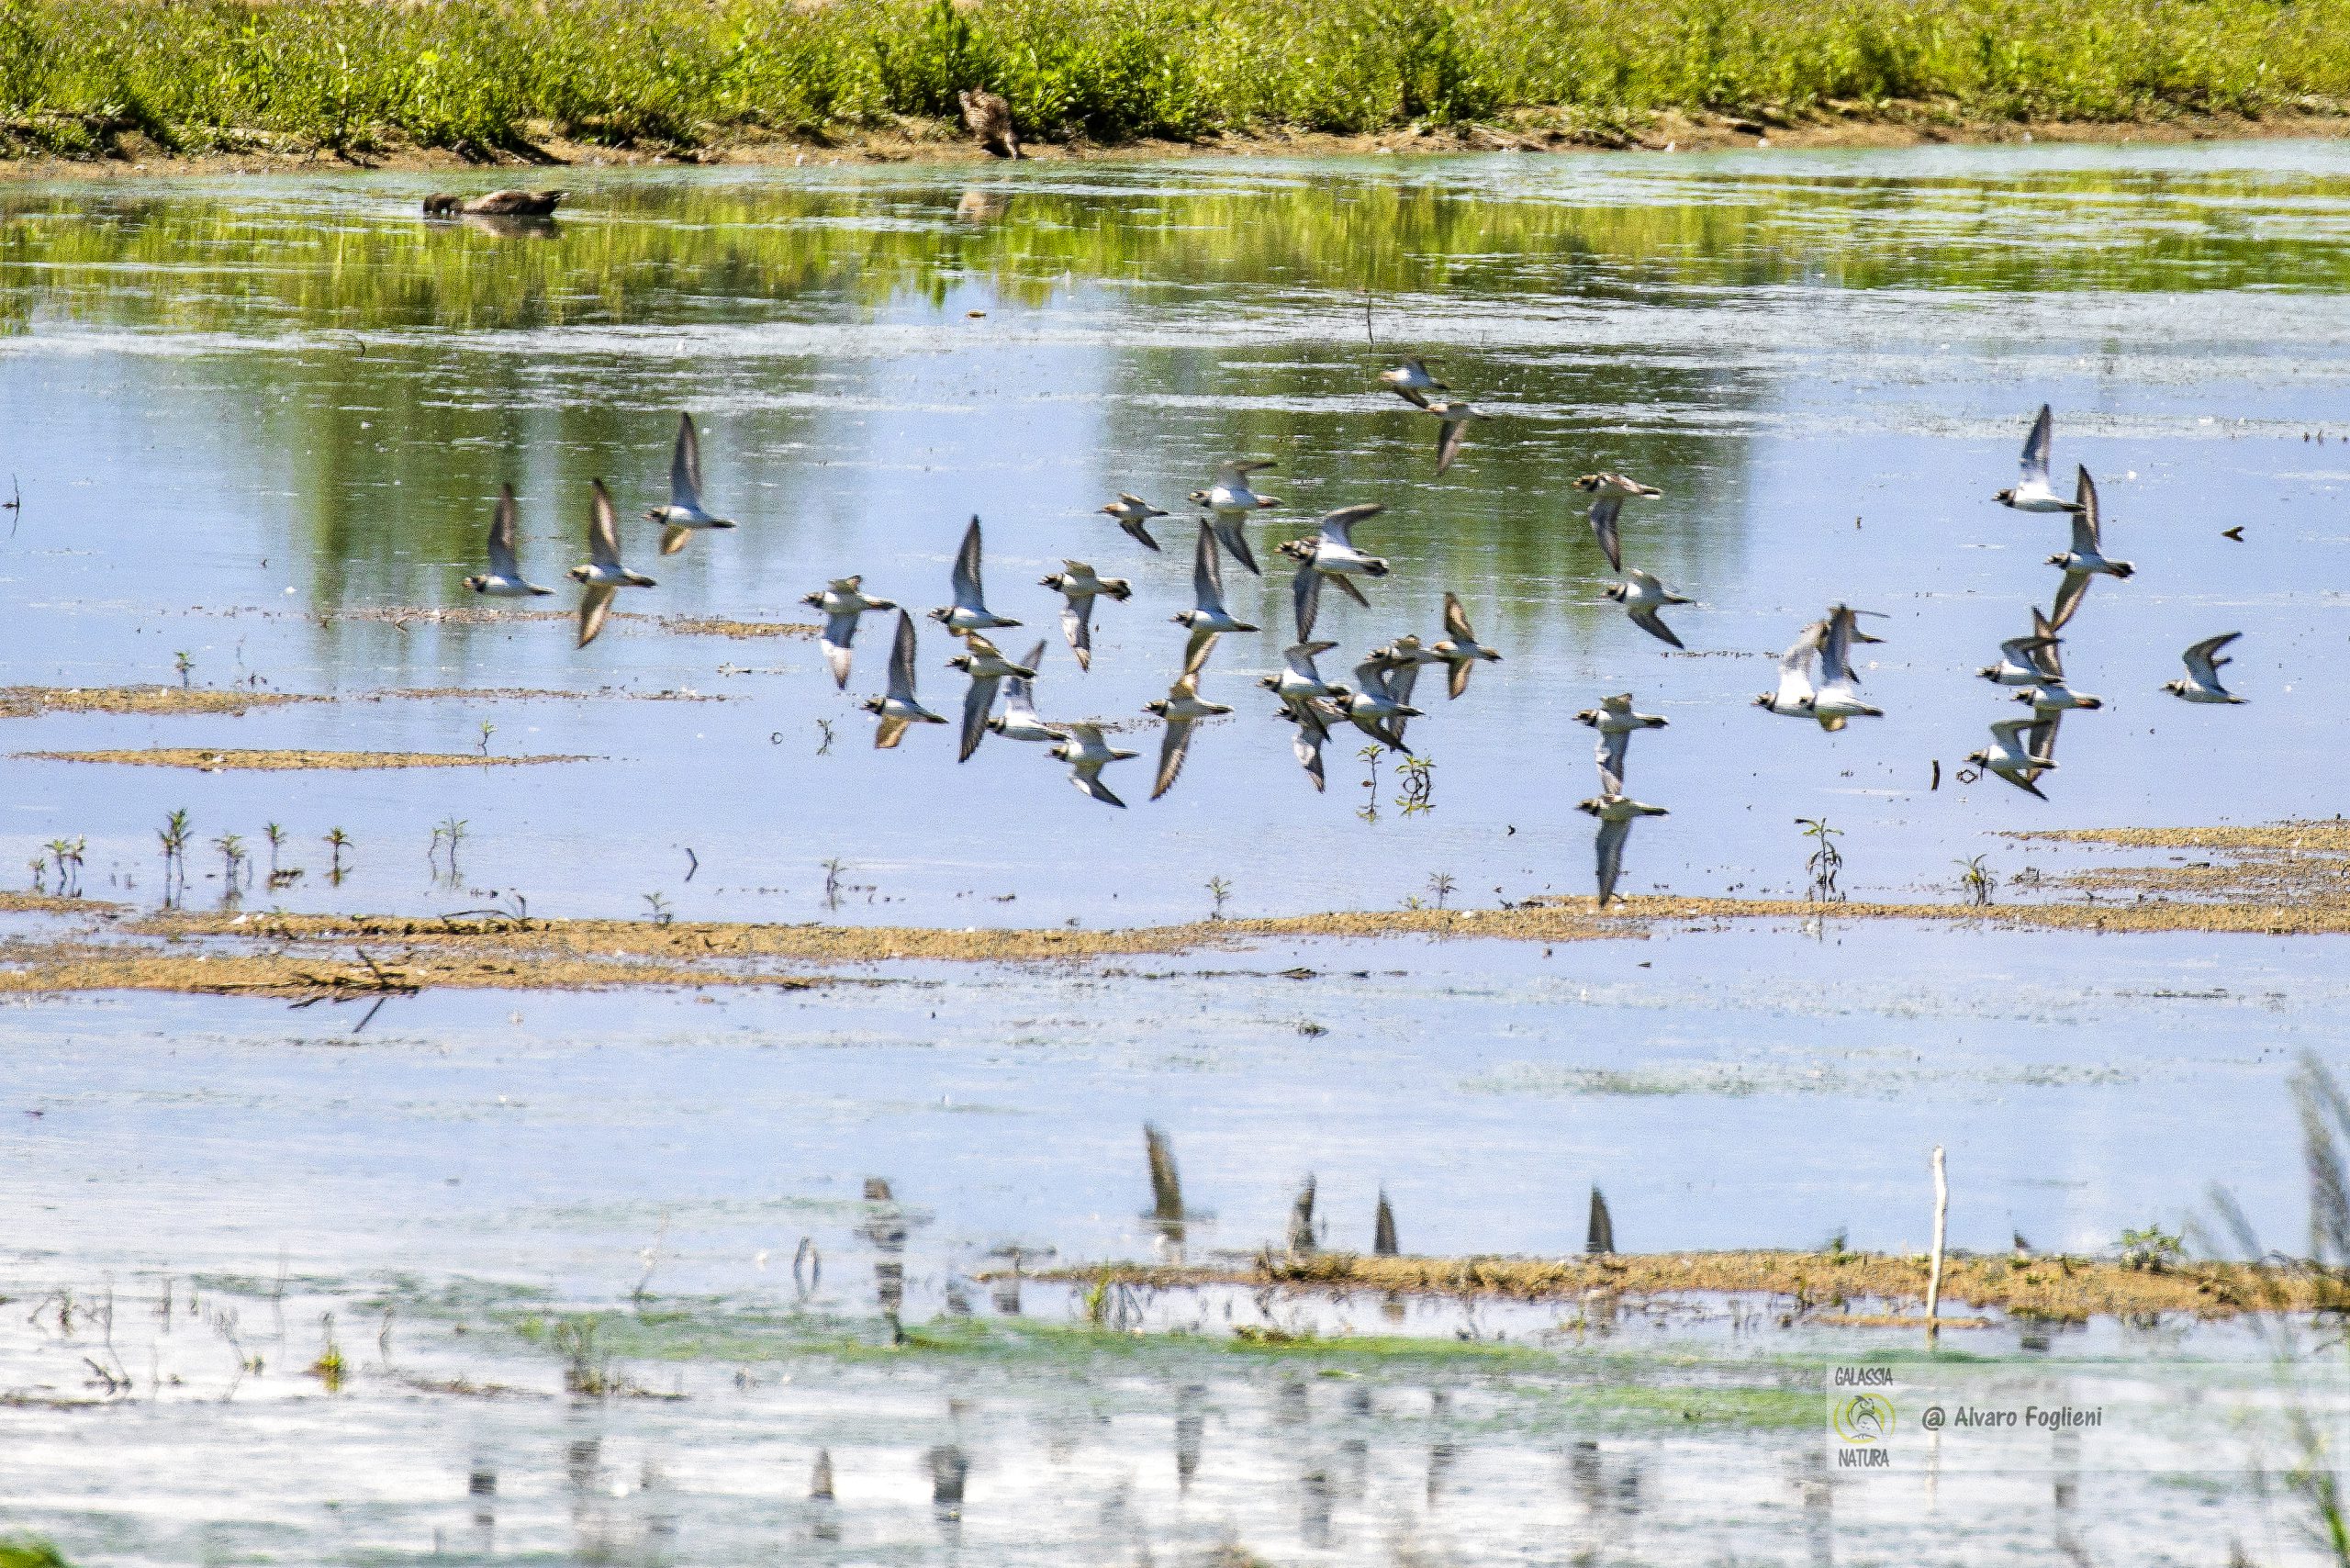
(82, 76)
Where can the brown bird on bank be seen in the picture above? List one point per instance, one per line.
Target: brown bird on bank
(989, 117)
(497, 204)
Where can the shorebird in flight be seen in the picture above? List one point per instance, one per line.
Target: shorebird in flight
(899, 707)
(969, 612)
(2032, 491)
(685, 512)
(842, 601)
(603, 576)
(504, 580)
(2203, 667)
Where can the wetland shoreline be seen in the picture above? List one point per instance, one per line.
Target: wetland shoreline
(2283, 880)
(544, 153)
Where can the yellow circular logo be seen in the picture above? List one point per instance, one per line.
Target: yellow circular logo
(1864, 1418)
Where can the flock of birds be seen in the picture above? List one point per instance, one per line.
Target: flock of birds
(1817, 678)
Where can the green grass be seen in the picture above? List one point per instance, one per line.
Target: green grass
(483, 74)
(25, 1553)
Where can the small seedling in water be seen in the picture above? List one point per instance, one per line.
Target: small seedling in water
(487, 730)
(39, 867)
(1220, 890)
(174, 836)
(833, 870)
(184, 662)
(662, 914)
(1824, 862)
(337, 842)
(1978, 879)
(66, 853)
(276, 836)
(329, 1368)
(450, 831)
(1368, 809)
(232, 859)
(1418, 777)
(824, 728)
(1440, 888)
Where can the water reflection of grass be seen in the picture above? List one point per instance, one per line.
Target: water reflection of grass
(482, 75)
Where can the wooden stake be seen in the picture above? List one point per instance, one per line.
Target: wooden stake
(1934, 1278)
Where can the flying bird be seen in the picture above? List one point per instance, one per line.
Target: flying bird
(603, 576)
(504, 580)
(1456, 415)
(685, 512)
(1616, 812)
(900, 708)
(2031, 491)
(987, 666)
(1411, 381)
(2027, 661)
(1087, 753)
(1642, 597)
(2015, 759)
(1375, 708)
(842, 601)
(1018, 722)
(1614, 720)
(2051, 695)
(1609, 493)
(1207, 618)
(1182, 707)
(1229, 498)
(970, 612)
(1308, 701)
(1825, 645)
(1331, 554)
(2203, 667)
(1134, 514)
(2085, 558)
(1460, 649)
(1079, 588)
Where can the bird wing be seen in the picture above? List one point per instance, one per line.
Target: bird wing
(1197, 649)
(1077, 625)
(2042, 649)
(1087, 776)
(1347, 586)
(603, 530)
(1836, 651)
(1173, 746)
(1227, 531)
(978, 703)
(969, 595)
(501, 536)
(1610, 848)
(1604, 513)
(2085, 521)
(2069, 594)
(1134, 525)
(892, 730)
(594, 606)
(1371, 680)
(674, 538)
(1207, 574)
(1457, 678)
(1649, 621)
(1019, 690)
(840, 630)
(685, 466)
(1400, 683)
(1410, 395)
(2203, 661)
(1300, 657)
(1456, 620)
(1306, 599)
(1306, 746)
(2041, 740)
(1614, 745)
(1447, 442)
(1339, 525)
(2008, 733)
(902, 660)
(2035, 448)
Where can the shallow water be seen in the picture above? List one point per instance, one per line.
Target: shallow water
(253, 415)
(246, 410)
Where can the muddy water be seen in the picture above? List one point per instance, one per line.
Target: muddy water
(259, 424)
